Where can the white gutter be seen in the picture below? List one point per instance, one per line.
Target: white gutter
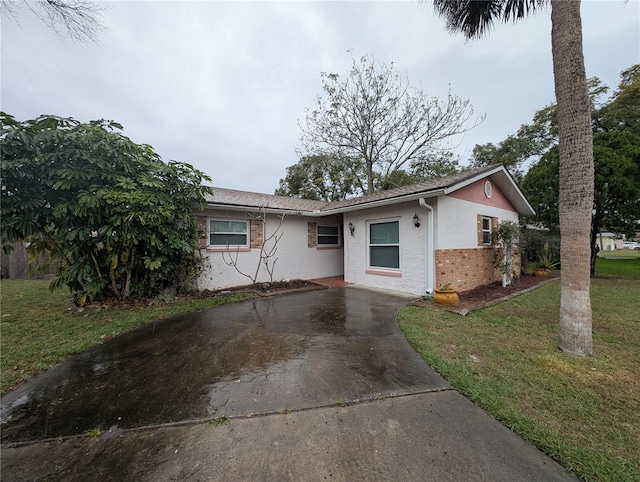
(267, 210)
(381, 202)
(431, 255)
(331, 211)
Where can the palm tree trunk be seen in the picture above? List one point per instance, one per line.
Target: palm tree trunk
(576, 176)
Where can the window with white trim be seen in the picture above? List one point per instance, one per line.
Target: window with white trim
(327, 236)
(486, 230)
(384, 244)
(228, 233)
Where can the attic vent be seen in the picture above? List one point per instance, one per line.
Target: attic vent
(487, 189)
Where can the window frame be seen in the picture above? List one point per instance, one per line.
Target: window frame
(246, 233)
(337, 236)
(489, 231)
(369, 224)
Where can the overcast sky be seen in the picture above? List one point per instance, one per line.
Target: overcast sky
(222, 85)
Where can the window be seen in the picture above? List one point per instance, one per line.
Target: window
(228, 233)
(486, 230)
(384, 245)
(328, 236)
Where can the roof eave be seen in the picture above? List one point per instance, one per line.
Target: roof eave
(268, 210)
(384, 202)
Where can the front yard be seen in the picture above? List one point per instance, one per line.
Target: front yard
(40, 328)
(583, 412)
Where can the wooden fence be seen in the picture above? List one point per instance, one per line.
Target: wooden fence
(18, 264)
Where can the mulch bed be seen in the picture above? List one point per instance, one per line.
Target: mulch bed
(470, 300)
(488, 295)
(263, 289)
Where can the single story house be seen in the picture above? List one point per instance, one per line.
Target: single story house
(608, 242)
(412, 239)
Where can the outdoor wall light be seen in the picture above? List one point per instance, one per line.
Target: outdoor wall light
(352, 228)
(416, 220)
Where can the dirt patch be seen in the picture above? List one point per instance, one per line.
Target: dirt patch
(488, 295)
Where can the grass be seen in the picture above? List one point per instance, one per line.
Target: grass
(582, 411)
(40, 328)
(621, 262)
(219, 421)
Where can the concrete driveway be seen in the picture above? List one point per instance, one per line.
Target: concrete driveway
(318, 385)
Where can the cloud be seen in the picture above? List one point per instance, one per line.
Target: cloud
(221, 85)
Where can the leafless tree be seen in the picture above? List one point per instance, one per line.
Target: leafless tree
(268, 250)
(375, 117)
(80, 19)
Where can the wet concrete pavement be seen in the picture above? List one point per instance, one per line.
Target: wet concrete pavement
(272, 354)
(255, 361)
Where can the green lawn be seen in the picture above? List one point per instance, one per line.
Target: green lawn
(40, 328)
(583, 412)
(621, 262)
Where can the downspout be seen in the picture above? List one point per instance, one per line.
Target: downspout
(431, 258)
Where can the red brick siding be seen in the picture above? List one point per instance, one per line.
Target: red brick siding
(468, 268)
(311, 235)
(256, 233)
(203, 232)
(465, 268)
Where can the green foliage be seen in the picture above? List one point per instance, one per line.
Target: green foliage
(617, 180)
(116, 216)
(94, 432)
(322, 177)
(507, 236)
(541, 185)
(219, 421)
(545, 260)
(530, 142)
(535, 243)
(616, 151)
(617, 183)
(623, 111)
(435, 165)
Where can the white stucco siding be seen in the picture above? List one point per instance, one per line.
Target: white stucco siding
(411, 277)
(456, 222)
(295, 260)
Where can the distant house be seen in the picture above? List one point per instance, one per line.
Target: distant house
(608, 242)
(411, 239)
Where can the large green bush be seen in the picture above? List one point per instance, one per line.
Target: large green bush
(117, 217)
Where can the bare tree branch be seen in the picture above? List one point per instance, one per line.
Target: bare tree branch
(267, 253)
(376, 117)
(80, 19)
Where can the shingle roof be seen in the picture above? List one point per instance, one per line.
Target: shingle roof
(231, 197)
(419, 188)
